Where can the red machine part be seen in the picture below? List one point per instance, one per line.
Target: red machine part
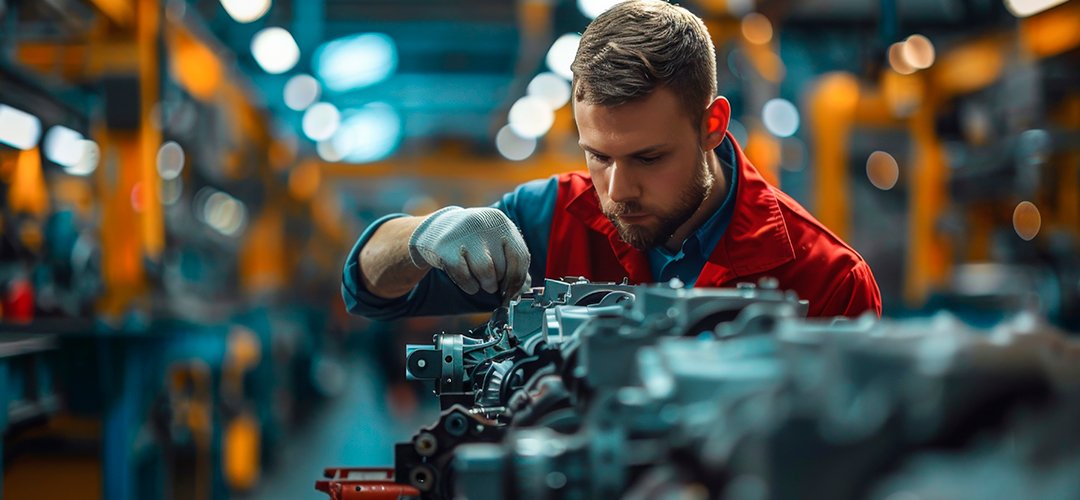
(364, 483)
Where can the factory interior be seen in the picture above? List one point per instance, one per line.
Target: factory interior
(182, 182)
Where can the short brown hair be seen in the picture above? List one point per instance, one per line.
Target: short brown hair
(639, 45)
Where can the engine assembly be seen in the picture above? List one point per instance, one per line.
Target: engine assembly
(594, 390)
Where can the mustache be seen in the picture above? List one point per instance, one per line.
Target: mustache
(616, 209)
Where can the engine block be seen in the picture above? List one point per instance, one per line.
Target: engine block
(593, 390)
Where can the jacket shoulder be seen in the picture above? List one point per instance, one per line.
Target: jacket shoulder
(806, 231)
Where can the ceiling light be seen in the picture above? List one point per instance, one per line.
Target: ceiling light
(63, 146)
(275, 50)
(18, 129)
(245, 11)
(356, 61)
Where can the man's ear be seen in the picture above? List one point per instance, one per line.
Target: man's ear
(715, 123)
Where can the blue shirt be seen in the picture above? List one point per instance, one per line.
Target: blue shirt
(531, 207)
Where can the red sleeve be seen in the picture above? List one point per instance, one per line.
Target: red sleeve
(855, 294)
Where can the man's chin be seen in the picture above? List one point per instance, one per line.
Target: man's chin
(637, 237)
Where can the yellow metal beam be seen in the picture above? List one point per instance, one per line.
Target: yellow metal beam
(132, 226)
(929, 251)
(147, 36)
(833, 102)
(1052, 32)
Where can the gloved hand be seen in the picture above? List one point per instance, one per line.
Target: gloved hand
(479, 248)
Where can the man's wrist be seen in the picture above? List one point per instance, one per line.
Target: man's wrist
(419, 234)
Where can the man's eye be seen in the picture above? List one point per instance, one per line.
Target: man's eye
(649, 160)
(599, 158)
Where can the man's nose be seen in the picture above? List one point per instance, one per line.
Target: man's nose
(623, 185)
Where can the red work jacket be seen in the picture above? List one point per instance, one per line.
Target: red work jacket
(770, 234)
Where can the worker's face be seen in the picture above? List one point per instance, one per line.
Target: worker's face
(648, 164)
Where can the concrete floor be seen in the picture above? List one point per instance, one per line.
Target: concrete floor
(357, 429)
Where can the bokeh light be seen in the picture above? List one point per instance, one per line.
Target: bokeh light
(326, 150)
(88, 162)
(882, 170)
(918, 52)
(780, 117)
(756, 28)
(136, 197)
(1025, 8)
(897, 61)
(301, 91)
(63, 146)
(368, 134)
(550, 87)
(18, 129)
(224, 213)
(356, 61)
(1026, 220)
(170, 160)
(561, 55)
(739, 8)
(244, 11)
(512, 146)
(275, 50)
(170, 190)
(531, 117)
(593, 8)
(321, 121)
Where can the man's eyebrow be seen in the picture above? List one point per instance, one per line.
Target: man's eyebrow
(643, 151)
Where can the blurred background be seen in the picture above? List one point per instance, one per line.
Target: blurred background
(180, 181)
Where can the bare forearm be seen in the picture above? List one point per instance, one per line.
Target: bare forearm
(385, 265)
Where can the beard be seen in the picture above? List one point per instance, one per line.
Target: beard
(646, 236)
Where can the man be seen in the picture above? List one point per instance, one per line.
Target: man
(668, 194)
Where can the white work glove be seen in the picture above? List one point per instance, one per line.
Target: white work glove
(479, 248)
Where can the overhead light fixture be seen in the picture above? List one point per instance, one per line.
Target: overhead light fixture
(19, 129)
(63, 146)
(593, 8)
(275, 50)
(356, 61)
(1025, 8)
(246, 11)
(88, 161)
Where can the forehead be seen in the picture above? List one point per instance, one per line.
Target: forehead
(613, 130)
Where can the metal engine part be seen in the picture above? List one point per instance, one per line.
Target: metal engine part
(592, 390)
